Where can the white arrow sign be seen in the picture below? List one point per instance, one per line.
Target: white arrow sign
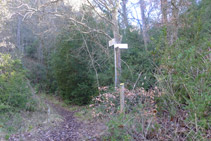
(112, 42)
(121, 46)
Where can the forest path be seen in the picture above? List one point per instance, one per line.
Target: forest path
(66, 130)
(59, 124)
(69, 129)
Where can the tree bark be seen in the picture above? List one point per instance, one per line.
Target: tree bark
(144, 23)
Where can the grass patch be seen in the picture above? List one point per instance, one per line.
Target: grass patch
(85, 114)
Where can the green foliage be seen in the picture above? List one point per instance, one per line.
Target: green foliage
(117, 128)
(137, 60)
(31, 50)
(75, 82)
(132, 126)
(14, 92)
(37, 73)
(185, 67)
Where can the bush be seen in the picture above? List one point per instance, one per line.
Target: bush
(141, 120)
(37, 73)
(108, 103)
(137, 123)
(74, 80)
(184, 74)
(138, 126)
(31, 50)
(136, 61)
(14, 92)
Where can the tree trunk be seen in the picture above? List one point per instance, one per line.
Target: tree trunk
(40, 49)
(164, 4)
(124, 9)
(144, 23)
(117, 37)
(164, 20)
(175, 18)
(19, 35)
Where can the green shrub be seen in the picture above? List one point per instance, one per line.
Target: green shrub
(37, 73)
(74, 80)
(185, 72)
(136, 61)
(136, 123)
(14, 91)
(31, 50)
(133, 126)
(118, 128)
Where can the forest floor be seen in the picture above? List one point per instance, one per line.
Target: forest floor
(60, 122)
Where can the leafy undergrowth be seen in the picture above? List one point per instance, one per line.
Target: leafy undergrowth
(143, 120)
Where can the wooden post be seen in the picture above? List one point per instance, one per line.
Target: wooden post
(117, 59)
(115, 65)
(122, 98)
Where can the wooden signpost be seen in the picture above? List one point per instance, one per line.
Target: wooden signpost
(117, 67)
(117, 71)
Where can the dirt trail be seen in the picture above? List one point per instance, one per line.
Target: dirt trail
(70, 129)
(60, 125)
(67, 130)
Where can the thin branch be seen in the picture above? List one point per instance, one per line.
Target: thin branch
(84, 25)
(139, 75)
(99, 13)
(92, 61)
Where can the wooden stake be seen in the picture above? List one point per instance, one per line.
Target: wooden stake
(122, 98)
(115, 65)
